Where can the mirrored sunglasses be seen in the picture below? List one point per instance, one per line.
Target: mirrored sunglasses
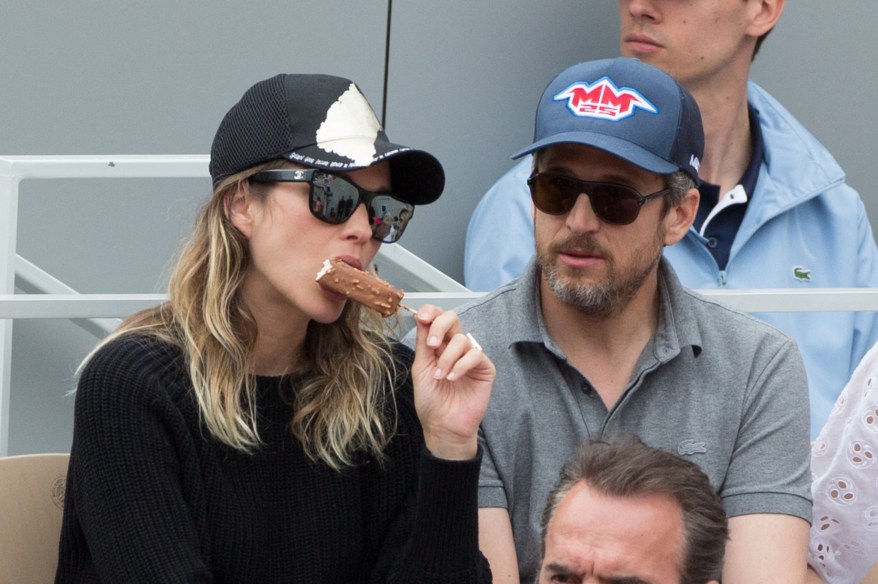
(334, 199)
(556, 194)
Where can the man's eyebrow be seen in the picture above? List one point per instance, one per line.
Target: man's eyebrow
(610, 177)
(557, 568)
(563, 570)
(557, 168)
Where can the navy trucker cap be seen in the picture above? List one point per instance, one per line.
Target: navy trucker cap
(626, 108)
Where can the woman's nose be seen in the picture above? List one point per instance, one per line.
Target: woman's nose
(359, 225)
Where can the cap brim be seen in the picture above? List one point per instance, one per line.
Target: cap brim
(628, 151)
(416, 176)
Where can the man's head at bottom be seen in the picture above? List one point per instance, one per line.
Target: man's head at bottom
(627, 513)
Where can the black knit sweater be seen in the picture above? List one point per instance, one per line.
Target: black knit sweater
(151, 497)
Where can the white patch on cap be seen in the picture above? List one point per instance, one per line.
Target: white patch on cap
(350, 128)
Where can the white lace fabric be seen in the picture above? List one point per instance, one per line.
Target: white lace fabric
(844, 466)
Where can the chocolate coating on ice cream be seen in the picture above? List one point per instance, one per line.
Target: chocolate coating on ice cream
(362, 287)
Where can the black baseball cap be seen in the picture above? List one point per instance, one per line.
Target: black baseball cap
(318, 121)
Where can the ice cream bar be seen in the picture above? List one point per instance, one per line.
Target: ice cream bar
(370, 291)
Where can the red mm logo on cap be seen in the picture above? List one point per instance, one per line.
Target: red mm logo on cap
(603, 100)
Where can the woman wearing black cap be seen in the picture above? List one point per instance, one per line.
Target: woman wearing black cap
(257, 427)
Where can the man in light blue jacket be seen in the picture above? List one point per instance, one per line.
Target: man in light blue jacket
(775, 211)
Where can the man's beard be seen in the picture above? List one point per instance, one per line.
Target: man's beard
(608, 297)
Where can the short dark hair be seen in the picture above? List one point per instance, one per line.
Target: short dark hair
(630, 468)
(759, 42)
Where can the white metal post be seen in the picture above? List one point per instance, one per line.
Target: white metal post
(8, 222)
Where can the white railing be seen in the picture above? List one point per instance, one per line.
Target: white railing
(48, 297)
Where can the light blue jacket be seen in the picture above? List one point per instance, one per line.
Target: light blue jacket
(804, 228)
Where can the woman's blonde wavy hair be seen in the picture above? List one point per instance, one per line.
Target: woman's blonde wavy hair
(342, 406)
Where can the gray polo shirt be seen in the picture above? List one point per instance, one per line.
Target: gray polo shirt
(714, 385)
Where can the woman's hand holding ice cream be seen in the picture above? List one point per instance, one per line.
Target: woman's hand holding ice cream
(452, 380)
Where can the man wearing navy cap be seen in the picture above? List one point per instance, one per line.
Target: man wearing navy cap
(775, 209)
(598, 339)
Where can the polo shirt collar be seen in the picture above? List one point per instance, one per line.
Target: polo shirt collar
(751, 174)
(677, 326)
(526, 315)
(710, 192)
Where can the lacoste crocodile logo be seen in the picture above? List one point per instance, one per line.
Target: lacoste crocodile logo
(802, 274)
(687, 447)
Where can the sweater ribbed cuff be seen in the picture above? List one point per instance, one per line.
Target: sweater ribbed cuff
(445, 537)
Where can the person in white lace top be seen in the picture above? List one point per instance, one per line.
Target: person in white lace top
(844, 465)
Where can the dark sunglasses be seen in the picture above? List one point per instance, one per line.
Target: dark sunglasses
(555, 194)
(333, 199)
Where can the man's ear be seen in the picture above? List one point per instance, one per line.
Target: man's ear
(680, 218)
(239, 211)
(764, 14)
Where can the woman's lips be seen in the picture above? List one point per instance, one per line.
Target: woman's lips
(352, 261)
